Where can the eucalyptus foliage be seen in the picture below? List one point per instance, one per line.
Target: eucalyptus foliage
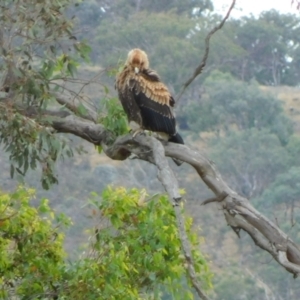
(38, 53)
(134, 251)
(227, 103)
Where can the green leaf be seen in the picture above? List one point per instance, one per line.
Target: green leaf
(71, 68)
(19, 171)
(53, 49)
(99, 148)
(82, 109)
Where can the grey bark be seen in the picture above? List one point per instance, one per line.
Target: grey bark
(238, 211)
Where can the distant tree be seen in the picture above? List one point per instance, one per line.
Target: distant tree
(189, 7)
(264, 48)
(246, 288)
(227, 103)
(245, 159)
(270, 45)
(162, 36)
(284, 191)
(129, 8)
(103, 13)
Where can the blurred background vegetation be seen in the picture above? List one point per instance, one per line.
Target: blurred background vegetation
(243, 112)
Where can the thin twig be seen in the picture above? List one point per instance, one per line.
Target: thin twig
(202, 64)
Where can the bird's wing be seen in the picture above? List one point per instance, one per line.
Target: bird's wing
(127, 97)
(155, 101)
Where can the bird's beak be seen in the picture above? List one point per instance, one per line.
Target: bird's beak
(136, 70)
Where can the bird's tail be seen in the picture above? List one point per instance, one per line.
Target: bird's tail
(176, 138)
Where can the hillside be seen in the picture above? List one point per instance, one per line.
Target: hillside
(92, 171)
(290, 97)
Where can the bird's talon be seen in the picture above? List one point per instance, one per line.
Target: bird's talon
(138, 132)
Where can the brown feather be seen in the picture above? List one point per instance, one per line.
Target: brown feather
(145, 99)
(155, 90)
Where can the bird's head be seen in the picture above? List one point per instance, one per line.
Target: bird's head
(138, 60)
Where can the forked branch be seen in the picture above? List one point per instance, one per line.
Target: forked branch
(202, 64)
(238, 211)
(156, 155)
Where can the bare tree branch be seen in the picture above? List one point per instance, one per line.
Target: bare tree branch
(297, 3)
(93, 133)
(202, 64)
(170, 183)
(238, 211)
(73, 104)
(150, 149)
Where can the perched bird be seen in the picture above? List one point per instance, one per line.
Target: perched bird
(145, 99)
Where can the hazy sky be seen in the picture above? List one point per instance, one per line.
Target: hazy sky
(246, 7)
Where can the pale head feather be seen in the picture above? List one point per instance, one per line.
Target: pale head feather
(138, 60)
